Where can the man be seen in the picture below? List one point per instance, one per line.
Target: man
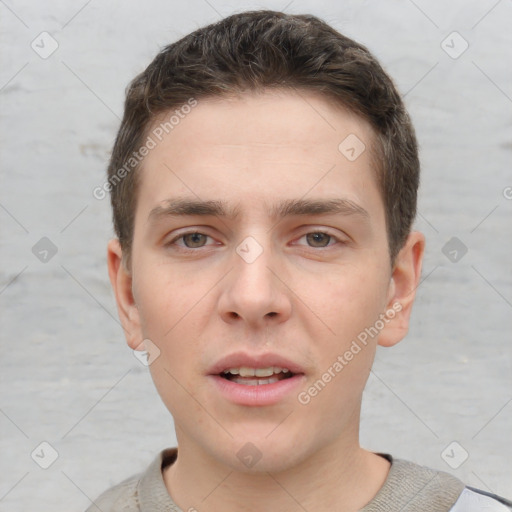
(264, 184)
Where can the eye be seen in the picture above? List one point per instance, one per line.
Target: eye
(319, 239)
(192, 240)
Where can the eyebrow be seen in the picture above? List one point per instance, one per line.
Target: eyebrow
(180, 207)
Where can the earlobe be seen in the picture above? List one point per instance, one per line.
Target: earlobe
(402, 289)
(121, 281)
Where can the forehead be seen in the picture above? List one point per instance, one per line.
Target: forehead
(257, 145)
(272, 116)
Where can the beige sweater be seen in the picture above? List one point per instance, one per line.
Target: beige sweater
(408, 488)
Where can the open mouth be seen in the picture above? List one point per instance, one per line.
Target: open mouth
(256, 381)
(256, 376)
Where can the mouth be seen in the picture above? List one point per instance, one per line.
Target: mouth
(256, 376)
(256, 380)
(257, 391)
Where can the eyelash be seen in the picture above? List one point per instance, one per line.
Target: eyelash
(190, 250)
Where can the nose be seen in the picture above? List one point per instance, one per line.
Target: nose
(254, 291)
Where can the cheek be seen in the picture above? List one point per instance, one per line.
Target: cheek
(163, 300)
(175, 391)
(334, 393)
(347, 300)
(165, 320)
(350, 305)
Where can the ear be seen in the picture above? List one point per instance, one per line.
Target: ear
(121, 281)
(402, 289)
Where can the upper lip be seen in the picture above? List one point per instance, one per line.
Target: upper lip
(239, 359)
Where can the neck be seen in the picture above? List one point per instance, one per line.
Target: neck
(336, 477)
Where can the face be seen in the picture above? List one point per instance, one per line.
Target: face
(284, 265)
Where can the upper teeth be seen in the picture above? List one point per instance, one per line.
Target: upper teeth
(244, 371)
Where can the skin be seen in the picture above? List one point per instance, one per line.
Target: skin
(305, 298)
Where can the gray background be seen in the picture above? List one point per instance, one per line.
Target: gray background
(67, 376)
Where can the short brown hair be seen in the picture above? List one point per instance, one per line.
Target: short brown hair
(256, 50)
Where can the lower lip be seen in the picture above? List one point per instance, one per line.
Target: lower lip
(264, 394)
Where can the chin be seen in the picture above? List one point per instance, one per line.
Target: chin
(259, 454)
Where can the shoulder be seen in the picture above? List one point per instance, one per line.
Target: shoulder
(410, 487)
(139, 493)
(121, 497)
